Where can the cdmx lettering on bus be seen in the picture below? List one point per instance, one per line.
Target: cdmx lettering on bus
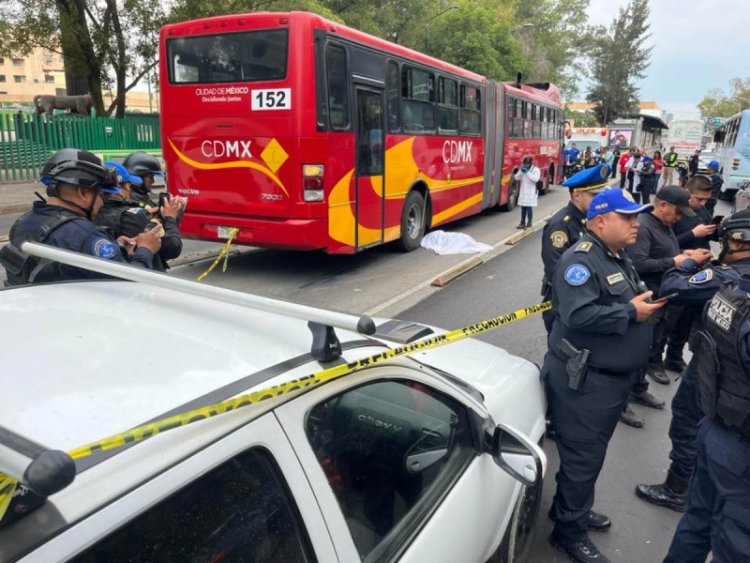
(457, 151)
(238, 149)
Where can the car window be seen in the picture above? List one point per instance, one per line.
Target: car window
(240, 511)
(390, 450)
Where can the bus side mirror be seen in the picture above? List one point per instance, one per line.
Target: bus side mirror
(518, 456)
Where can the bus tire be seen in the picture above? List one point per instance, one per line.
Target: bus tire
(510, 205)
(413, 221)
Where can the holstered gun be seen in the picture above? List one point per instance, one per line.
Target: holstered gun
(576, 365)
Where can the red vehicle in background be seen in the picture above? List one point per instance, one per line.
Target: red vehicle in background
(302, 133)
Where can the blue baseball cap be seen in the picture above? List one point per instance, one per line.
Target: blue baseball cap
(714, 164)
(590, 179)
(122, 173)
(613, 201)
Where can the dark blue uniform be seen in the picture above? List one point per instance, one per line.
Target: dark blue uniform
(77, 234)
(695, 288)
(718, 515)
(592, 290)
(561, 232)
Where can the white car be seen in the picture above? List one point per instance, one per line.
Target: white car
(432, 457)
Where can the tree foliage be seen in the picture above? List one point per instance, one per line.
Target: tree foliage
(620, 56)
(110, 42)
(114, 43)
(717, 103)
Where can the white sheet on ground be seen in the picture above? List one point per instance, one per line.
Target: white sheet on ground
(453, 243)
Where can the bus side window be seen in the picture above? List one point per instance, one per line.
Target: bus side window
(447, 104)
(418, 100)
(338, 91)
(471, 110)
(393, 96)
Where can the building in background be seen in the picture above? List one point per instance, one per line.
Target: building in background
(43, 72)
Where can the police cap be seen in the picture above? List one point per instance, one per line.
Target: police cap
(589, 180)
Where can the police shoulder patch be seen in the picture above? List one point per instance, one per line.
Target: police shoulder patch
(577, 274)
(584, 246)
(702, 277)
(103, 248)
(559, 239)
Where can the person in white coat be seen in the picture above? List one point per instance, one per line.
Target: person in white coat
(527, 177)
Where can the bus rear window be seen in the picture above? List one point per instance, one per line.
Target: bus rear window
(230, 57)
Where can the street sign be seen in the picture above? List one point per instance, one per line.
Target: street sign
(714, 121)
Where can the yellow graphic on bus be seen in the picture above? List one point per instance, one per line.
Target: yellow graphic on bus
(232, 164)
(402, 172)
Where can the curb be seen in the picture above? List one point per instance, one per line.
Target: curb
(464, 266)
(11, 209)
(200, 256)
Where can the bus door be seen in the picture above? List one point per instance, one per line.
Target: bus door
(370, 165)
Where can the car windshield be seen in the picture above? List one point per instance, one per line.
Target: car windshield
(583, 145)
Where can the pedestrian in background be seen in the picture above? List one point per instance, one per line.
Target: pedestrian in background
(615, 161)
(670, 161)
(716, 183)
(659, 166)
(601, 316)
(623, 166)
(633, 178)
(527, 177)
(646, 171)
(693, 163)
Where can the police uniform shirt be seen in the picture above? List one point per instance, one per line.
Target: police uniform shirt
(716, 183)
(79, 235)
(696, 286)
(654, 250)
(563, 230)
(592, 290)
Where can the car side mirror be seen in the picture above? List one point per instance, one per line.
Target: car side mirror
(518, 456)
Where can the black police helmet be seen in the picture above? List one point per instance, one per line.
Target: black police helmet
(736, 227)
(141, 163)
(78, 168)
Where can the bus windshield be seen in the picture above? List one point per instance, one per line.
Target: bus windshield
(228, 57)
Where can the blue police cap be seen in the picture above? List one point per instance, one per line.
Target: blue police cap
(714, 164)
(613, 200)
(122, 173)
(590, 179)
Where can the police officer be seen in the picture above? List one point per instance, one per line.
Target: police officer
(568, 225)
(716, 182)
(695, 287)
(670, 161)
(75, 181)
(718, 513)
(598, 343)
(124, 217)
(147, 167)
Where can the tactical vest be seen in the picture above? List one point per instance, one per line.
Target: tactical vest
(20, 267)
(724, 382)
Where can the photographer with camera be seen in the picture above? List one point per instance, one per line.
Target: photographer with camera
(527, 176)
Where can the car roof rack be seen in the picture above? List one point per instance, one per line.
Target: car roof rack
(325, 347)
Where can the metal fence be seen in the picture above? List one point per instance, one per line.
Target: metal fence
(26, 140)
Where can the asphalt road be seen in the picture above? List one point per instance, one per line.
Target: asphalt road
(640, 532)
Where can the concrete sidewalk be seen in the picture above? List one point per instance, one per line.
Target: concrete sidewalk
(18, 197)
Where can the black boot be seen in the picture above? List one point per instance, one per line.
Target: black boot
(657, 373)
(673, 493)
(674, 363)
(596, 522)
(628, 416)
(583, 551)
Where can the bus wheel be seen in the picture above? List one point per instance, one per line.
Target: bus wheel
(412, 221)
(510, 205)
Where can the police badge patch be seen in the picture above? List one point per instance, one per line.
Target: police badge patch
(702, 277)
(577, 274)
(103, 248)
(559, 239)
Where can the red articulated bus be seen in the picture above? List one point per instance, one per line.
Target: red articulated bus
(302, 133)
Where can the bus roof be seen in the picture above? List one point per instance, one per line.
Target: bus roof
(544, 92)
(240, 22)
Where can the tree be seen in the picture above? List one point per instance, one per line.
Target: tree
(717, 103)
(580, 118)
(556, 41)
(620, 56)
(108, 41)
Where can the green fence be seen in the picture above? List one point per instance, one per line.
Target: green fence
(26, 140)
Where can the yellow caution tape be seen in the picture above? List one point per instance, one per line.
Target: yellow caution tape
(224, 253)
(144, 431)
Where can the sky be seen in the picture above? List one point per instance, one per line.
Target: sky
(698, 45)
